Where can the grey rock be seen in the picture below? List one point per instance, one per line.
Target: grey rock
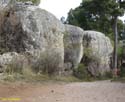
(12, 59)
(44, 31)
(99, 50)
(7, 3)
(31, 29)
(73, 45)
(4, 3)
(7, 57)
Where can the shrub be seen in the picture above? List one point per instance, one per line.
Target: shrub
(13, 67)
(121, 57)
(18, 68)
(16, 65)
(47, 63)
(122, 71)
(107, 75)
(82, 73)
(120, 52)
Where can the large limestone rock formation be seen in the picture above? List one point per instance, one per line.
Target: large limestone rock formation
(41, 40)
(98, 50)
(73, 47)
(29, 29)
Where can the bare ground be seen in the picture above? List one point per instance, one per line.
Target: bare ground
(99, 91)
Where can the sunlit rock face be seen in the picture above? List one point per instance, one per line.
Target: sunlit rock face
(4, 3)
(44, 32)
(73, 45)
(99, 52)
(27, 28)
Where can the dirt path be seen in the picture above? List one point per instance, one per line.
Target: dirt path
(103, 91)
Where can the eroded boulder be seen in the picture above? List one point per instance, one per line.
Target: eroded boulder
(27, 28)
(73, 48)
(98, 50)
(35, 35)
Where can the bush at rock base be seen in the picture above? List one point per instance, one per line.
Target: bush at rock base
(122, 71)
(47, 63)
(82, 73)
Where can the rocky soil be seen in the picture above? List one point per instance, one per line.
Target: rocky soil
(102, 91)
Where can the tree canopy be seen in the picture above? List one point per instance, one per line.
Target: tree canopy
(97, 15)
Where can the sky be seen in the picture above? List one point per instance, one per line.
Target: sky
(122, 18)
(61, 7)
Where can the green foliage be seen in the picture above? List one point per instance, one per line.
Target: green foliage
(17, 65)
(106, 76)
(82, 73)
(47, 63)
(88, 52)
(121, 57)
(96, 15)
(14, 67)
(122, 71)
(119, 79)
(120, 51)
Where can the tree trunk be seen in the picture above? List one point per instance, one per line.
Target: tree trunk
(115, 46)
